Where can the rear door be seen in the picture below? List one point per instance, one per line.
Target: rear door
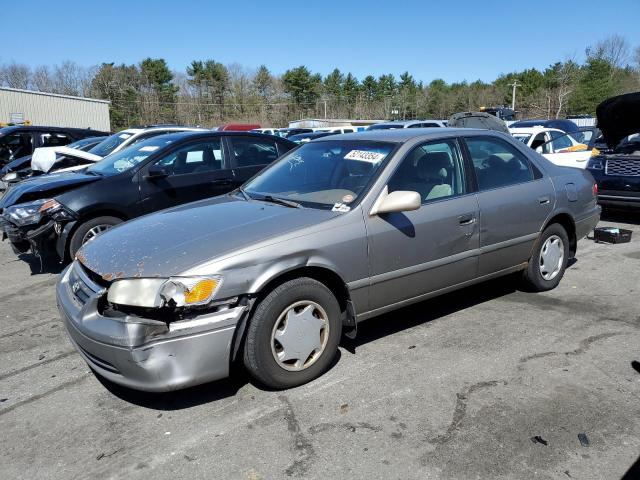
(195, 170)
(249, 155)
(514, 199)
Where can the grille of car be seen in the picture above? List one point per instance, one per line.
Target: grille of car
(623, 167)
(81, 285)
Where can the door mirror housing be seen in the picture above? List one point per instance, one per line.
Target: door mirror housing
(157, 171)
(398, 201)
(539, 149)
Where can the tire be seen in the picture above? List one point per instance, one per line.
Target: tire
(545, 268)
(81, 232)
(310, 305)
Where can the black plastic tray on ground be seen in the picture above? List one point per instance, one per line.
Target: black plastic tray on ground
(611, 235)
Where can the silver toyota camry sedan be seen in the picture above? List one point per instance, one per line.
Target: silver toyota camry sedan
(337, 231)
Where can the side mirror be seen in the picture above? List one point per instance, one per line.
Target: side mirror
(398, 201)
(157, 171)
(539, 149)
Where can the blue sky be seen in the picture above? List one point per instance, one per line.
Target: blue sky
(454, 40)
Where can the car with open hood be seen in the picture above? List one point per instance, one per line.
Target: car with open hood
(55, 214)
(616, 168)
(339, 230)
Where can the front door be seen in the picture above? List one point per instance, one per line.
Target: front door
(192, 172)
(514, 198)
(417, 252)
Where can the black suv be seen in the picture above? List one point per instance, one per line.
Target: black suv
(18, 141)
(68, 209)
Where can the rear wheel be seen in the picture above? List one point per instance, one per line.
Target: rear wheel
(549, 260)
(293, 335)
(89, 230)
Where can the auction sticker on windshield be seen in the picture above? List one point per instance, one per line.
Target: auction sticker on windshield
(365, 156)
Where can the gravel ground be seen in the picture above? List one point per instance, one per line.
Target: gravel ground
(453, 388)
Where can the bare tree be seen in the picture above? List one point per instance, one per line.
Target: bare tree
(16, 75)
(41, 79)
(613, 49)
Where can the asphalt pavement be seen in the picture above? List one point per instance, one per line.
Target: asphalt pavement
(485, 382)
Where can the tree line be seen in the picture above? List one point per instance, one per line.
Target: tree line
(209, 93)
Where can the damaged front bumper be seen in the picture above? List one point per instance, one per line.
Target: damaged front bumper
(42, 239)
(145, 354)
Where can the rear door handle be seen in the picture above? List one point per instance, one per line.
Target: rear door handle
(543, 200)
(466, 219)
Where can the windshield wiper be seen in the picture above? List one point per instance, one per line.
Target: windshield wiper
(281, 201)
(244, 194)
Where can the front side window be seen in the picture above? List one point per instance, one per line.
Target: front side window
(434, 170)
(250, 152)
(497, 164)
(323, 174)
(201, 157)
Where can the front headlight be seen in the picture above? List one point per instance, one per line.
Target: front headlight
(164, 292)
(30, 213)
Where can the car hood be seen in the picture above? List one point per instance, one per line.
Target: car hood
(44, 186)
(618, 117)
(478, 120)
(171, 241)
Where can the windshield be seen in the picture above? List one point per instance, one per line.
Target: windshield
(326, 174)
(129, 157)
(109, 144)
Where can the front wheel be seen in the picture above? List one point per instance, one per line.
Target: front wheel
(88, 230)
(293, 335)
(549, 260)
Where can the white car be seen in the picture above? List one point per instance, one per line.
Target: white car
(348, 129)
(266, 131)
(44, 159)
(408, 124)
(557, 146)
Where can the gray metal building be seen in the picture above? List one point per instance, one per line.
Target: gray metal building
(51, 109)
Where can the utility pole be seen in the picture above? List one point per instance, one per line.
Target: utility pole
(325, 109)
(515, 84)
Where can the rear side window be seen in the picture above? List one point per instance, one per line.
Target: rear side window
(497, 164)
(249, 152)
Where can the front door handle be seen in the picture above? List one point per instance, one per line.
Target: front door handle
(543, 200)
(469, 219)
(221, 181)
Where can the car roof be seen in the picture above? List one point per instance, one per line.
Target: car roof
(402, 135)
(536, 129)
(179, 135)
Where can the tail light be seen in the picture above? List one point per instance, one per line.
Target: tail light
(595, 189)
